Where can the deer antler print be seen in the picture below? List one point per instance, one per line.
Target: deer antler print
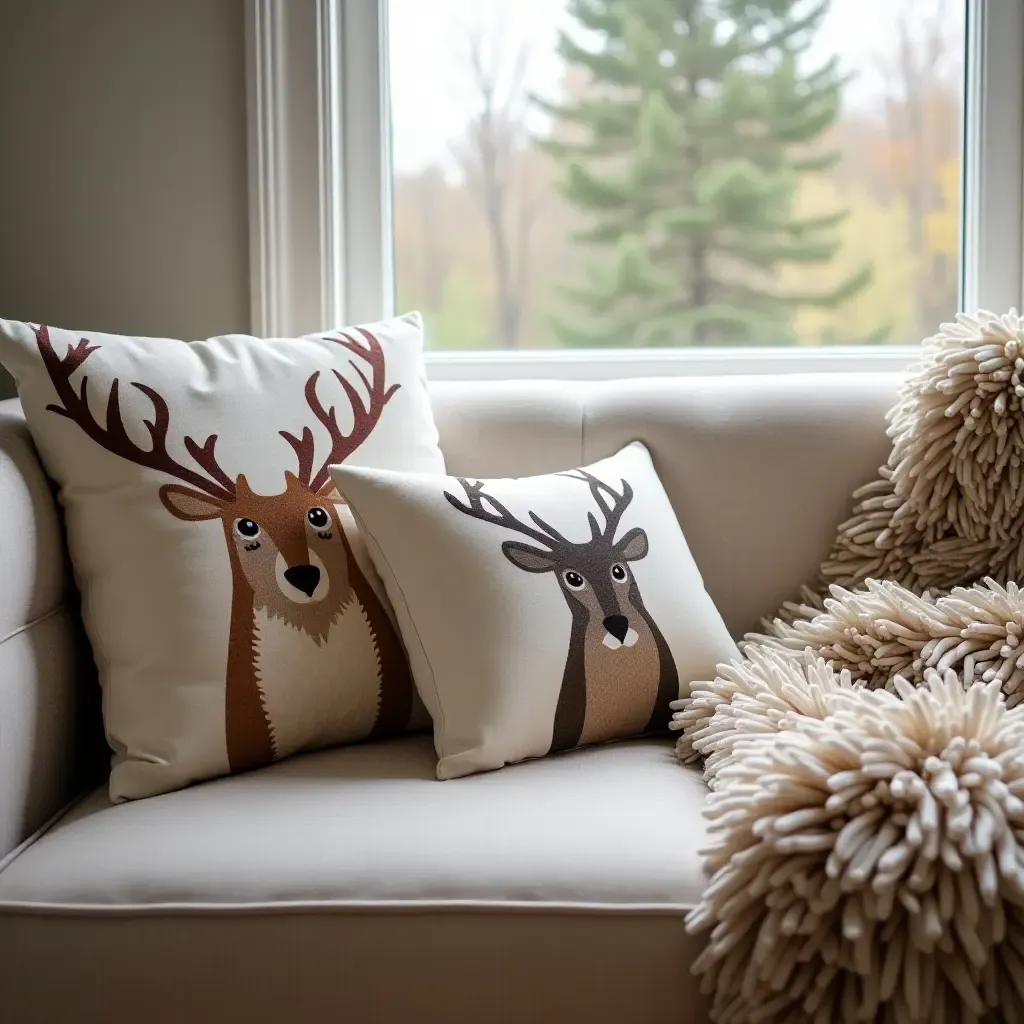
(500, 516)
(612, 513)
(365, 413)
(113, 437)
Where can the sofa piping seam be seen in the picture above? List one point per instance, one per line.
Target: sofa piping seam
(199, 909)
(34, 622)
(8, 859)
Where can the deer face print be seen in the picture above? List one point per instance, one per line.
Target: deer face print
(289, 547)
(619, 675)
(295, 582)
(594, 576)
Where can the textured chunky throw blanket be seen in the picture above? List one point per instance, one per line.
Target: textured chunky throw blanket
(866, 756)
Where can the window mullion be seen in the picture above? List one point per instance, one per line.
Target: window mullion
(319, 173)
(993, 178)
(366, 170)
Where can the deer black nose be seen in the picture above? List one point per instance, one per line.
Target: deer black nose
(306, 577)
(618, 626)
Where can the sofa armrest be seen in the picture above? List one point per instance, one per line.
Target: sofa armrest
(45, 669)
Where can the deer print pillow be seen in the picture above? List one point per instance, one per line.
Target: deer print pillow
(543, 613)
(234, 614)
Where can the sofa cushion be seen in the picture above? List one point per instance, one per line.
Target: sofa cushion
(43, 662)
(365, 885)
(618, 824)
(539, 613)
(234, 616)
(737, 456)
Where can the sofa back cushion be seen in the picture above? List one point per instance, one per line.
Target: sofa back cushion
(232, 611)
(759, 469)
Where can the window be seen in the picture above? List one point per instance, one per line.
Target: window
(608, 173)
(596, 188)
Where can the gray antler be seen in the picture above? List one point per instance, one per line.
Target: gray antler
(499, 515)
(612, 512)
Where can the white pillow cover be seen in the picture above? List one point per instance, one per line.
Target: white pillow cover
(232, 610)
(540, 613)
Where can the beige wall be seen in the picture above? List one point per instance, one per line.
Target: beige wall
(123, 203)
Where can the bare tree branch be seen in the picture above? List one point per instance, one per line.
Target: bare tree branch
(496, 165)
(915, 74)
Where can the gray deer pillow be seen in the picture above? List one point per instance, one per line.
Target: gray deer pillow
(543, 613)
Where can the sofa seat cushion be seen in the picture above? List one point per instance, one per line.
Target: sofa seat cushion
(563, 881)
(618, 825)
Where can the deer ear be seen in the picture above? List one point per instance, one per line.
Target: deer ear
(188, 504)
(633, 545)
(522, 556)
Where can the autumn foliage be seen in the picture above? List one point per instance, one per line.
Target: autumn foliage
(543, 237)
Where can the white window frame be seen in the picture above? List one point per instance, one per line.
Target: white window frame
(320, 195)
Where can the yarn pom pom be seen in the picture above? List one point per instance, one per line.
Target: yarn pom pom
(866, 865)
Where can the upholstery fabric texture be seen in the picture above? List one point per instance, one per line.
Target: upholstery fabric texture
(539, 613)
(233, 614)
(45, 678)
(867, 754)
(548, 892)
(734, 454)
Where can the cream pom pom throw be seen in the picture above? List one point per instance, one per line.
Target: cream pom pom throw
(866, 756)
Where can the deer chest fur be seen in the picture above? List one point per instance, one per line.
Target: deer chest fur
(622, 686)
(310, 701)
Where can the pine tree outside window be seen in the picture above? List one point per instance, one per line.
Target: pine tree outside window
(661, 173)
(687, 154)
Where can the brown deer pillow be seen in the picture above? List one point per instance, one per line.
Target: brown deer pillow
(234, 614)
(543, 613)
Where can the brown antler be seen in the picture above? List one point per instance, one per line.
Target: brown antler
(114, 438)
(365, 414)
(501, 515)
(612, 513)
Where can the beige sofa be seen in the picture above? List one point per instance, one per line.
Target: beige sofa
(349, 885)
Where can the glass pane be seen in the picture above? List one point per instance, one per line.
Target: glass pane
(623, 173)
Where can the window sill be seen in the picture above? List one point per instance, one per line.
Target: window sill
(611, 365)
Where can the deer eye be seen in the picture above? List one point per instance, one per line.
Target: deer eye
(247, 528)
(618, 572)
(318, 518)
(573, 580)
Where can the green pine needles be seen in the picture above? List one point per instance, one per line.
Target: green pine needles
(683, 153)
